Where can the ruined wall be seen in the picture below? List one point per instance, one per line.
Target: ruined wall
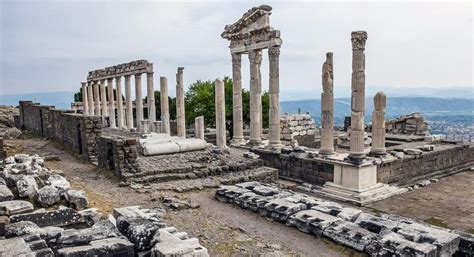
(296, 125)
(439, 162)
(118, 154)
(76, 132)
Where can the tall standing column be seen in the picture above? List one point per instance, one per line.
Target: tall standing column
(103, 101)
(97, 98)
(128, 103)
(118, 85)
(138, 100)
(237, 116)
(220, 112)
(180, 112)
(165, 109)
(274, 96)
(327, 108)
(378, 125)
(199, 127)
(150, 97)
(90, 96)
(85, 100)
(255, 58)
(357, 153)
(110, 91)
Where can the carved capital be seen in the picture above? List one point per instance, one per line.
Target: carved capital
(358, 39)
(118, 78)
(380, 101)
(236, 59)
(255, 57)
(274, 53)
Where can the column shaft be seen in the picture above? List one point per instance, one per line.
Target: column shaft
(255, 58)
(378, 125)
(111, 96)
(199, 127)
(103, 101)
(150, 97)
(274, 95)
(90, 96)
(327, 107)
(85, 100)
(237, 116)
(180, 111)
(97, 98)
(138, 101)
(118, 86)
(128, 103)
(165, 109)
(220, 112)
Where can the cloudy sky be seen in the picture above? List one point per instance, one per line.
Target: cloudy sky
(51, 45)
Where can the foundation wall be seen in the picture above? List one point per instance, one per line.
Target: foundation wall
(118, 154)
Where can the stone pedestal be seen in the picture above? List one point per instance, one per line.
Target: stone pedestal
(157, 126)
(85, 100)
(139, 101)
(237, 118)
(144, 127)
(128, 103)
(378, 125)
(180, 111)
(150, 97)
(274, 95)
(199, 128)
(111, 96)
(327, 108)
(255, 58)
(220, 113)
(97, 111)
(165, 109)
(118, 86)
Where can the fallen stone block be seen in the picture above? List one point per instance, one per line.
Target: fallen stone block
(77, 199)
(171, 243)
(15, 247)
(100, 248)
(394, 244)
(466, 244)
(5, 193)
(138, 211)
(350, 235)
(59, 182)
(252, 201)
(48, 195)
(91, 216)
(4, 221)
(311, 221)
(73, 237)
(27, 227)
(15, 207)
(59, 218)
(282, 208)
(412, 151)
(27, 187)
(229, 193)
(377, 225)
(139, 231)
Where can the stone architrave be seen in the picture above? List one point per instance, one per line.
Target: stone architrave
(378, 125)
(90, 96)
(110, 93)
(238, 125)
(150, 97)
(118, 85)
(97, 99)
(180, 111)
(85, 100)
(164, 106)
(138, 101)
(199, 127)
(327, 107)
(357, 154)
(128, 103)
(220, 113)
(274, 95)
(255, 58)
(103, 99)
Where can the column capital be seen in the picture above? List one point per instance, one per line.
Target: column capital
(110, 80)
(138, 75)
(150, 73)
(236, 59)
(118, 78)
(127, 76)
(255, 57)
(358, 39)
(274, 53)
(84, 84)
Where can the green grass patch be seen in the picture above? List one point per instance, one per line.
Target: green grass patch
(437, 222)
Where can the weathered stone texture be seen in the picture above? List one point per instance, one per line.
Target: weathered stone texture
(118, 154)
(296, 125)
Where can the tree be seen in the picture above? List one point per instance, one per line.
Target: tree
(171, 104)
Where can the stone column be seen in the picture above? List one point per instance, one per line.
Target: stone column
(97, 98)
(220, 112)
(128, 103)
(90, 96)
(118, 86)
(255, 58)
(138, 101)
(378, 125)
(356, 153)
(165, 109)
(180, 112)
(85, 101)
(274, 96)
(150, 97)
(103, 101)
(327, 108)
(237, 116)
(199, 127)
(110, 93)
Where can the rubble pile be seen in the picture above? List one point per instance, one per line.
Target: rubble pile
(296, 125)
(40, 215)
(7, 124)
(411, 124)
(384, 235)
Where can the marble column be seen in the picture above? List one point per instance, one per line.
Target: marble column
(150, 97)
(357, 153)
(274, 96)
(378, 125)
(90, 96)
(180, 112)
(237, 116)
(220, 112)
(165, 109)
(111, 94)
(327, 107)
(118, 86)
(97, 98)
(85, 100)
(199, 127)
(103, 101)
(255, 58)
(138, 101)
(128, 103)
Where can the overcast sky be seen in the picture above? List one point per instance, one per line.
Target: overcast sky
(51, 45)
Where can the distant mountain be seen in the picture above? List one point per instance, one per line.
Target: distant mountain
(62, 100)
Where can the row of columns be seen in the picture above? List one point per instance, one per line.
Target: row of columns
(255, 58)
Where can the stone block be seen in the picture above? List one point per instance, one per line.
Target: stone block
(48, 195)
(172, 243)
(15, 247)
(350, 235)
(311, 221)
(5, 193)
(60, 217)
(394, 244)
(27, 187)
(77, 199)
(100, 248)
(282, 208)
(15, 207)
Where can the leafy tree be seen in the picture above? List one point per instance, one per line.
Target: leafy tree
(171, 104)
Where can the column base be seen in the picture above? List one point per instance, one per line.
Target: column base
(254, 142)
(378, 152)
(356, 158)
(275, 145)
(238, 142)
(324, 151)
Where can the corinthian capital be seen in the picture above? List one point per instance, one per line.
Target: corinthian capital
(255, 57)
(358, 39)
(236, 59)
(274, 53)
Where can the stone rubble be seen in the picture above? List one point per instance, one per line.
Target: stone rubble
(296, 125)
(411, 124)
(383, 235)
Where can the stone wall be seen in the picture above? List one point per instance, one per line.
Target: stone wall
(411, 124)
(296, 125)
(3, 153)
(76, 132)
(118, 154)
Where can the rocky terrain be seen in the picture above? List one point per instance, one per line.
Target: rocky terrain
(7, 125)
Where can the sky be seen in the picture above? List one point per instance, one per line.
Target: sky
(422, 47)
